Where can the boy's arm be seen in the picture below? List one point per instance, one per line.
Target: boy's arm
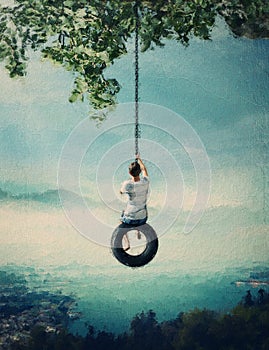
(126, 187)
(122, 189)
(142, 166)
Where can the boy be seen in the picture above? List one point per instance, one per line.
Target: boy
(137, 190)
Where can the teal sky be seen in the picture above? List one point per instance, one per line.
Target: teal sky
(219, 87)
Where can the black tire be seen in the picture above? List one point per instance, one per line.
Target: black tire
(134, 260)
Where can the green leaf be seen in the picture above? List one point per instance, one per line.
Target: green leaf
(74, 96)
(97, 33)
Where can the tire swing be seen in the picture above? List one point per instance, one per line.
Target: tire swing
(141, 253)
(136, 258)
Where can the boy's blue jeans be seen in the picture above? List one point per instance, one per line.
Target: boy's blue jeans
(132, 222)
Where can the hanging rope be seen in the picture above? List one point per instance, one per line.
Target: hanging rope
(137, 127)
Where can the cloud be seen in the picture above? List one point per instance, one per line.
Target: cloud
(31, 235)
(50, 198)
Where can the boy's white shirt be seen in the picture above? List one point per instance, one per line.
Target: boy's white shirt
(137, 198)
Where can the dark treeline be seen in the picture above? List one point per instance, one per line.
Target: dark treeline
(246, 326)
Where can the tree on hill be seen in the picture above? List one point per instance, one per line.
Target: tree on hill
(86, 37)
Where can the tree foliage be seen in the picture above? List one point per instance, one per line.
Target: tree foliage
(86, 37)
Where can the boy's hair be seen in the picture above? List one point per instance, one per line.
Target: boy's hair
(134, 169)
